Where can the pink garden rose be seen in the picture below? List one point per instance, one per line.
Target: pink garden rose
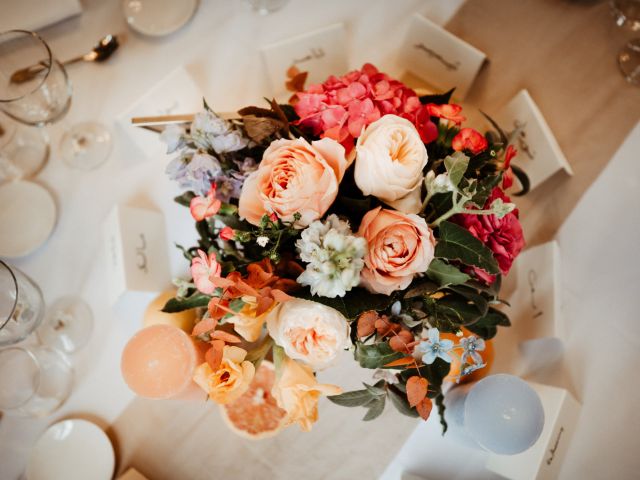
(503, 236)
(295, 176)
(342, 106)
(203, 270)
(400, 246)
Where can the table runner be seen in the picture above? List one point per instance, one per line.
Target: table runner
(564, 53)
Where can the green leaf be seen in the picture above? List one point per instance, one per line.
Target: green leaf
(441, 408)
(494, 124)
(456, 165)
(445, 274)
(377, 389)
(376, 355)
(352, 305)
(184, 199)
(523, 178)
(472, 295)
(233, 222)
(486, 326)
(457, 243)
(376, 407)
(401, 403)
(355, 398)
(175, 305)
(434, 373)
(484, 188)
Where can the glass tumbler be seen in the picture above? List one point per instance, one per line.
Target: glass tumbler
(34, 381)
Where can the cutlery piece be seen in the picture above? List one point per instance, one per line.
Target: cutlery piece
(103, 50)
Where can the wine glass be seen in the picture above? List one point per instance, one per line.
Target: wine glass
(46, 97)
(67, 325)
(23, 151)
(501, 413)
(626, 14)
(34, 381)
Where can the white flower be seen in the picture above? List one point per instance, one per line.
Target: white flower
(308, 331)
(386, 375)
(334, 255)
(262, 241)
(209, 131)
(390, 157)
(173, 136)
(438, 184)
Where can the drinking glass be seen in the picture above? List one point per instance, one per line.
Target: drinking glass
(501, 413)
(626, 14)
(67, 325)
(46, 97)
(34, 381)
(21, 305)
(23, 151)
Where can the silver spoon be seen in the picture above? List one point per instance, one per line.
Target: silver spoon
(103, 50)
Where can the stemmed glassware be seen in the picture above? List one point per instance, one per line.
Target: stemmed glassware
(626, 14)
(35, 378)
(45, 98)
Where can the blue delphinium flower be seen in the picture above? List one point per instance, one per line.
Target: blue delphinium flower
(471, 346)
(433, 347)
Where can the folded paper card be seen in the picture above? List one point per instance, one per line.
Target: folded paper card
(136, 251)
(543, 460)
(536, 301)
(176, 93)
(440, 58)
(36, 14)
(538, 151)
(321, 53)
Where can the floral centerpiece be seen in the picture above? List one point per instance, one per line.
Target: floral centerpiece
(358, 217)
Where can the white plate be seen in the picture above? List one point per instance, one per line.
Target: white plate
(27, 216)
(158, 17)
(71, 450)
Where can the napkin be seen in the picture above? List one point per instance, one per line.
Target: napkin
(36, 14)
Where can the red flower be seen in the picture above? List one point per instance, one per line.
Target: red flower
(427, 129)
(447, 111)
(503, 236)
(469, 139)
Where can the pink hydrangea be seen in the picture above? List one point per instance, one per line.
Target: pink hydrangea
(341, 107)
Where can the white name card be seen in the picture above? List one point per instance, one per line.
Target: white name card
(175, 94)
(539, 154)
(543, 460)
(440, 58)
(136, 251)
(321, 53)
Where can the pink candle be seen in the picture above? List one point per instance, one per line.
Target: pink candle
(159, 361)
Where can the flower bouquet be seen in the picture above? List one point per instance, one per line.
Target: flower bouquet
(357, 217)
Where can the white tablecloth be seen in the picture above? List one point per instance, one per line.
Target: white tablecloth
(220, 49)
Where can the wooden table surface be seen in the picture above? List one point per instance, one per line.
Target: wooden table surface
(563, 52)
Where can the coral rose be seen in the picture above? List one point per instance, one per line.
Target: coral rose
(503, 236)
(469, 139)
(247, 322)
(400, 246)
(297, 392)
(230, 380)
(309, 331)
(390, 157)
(294, 177)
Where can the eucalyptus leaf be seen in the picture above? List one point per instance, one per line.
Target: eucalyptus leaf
(376, 355)
(185, 199)
(401, 403)
(446, 274)
(175, 305)
(376, 389)
(456, 165)
(355, 398)
(376, 407)
(457, 243)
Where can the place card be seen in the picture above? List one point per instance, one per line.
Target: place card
(543, 460)
(440, 58)
(539, 154)
(176, 93)
(321, 53)
(136, 252)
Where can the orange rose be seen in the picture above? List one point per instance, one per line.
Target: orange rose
(230, 380)
(400, 246)
(294, 176)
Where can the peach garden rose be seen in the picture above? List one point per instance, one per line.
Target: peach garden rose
(230, 380)
(294, 176)
(400, 246)
(297, 392)
(390, 157)
(308, 331)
